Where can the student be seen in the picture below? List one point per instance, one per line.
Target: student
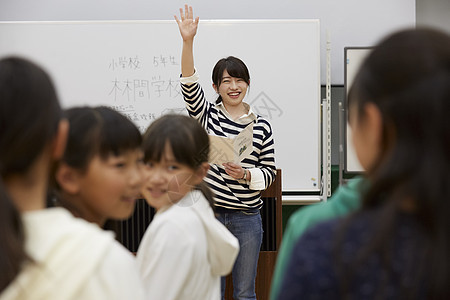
(101, 173)
(237, 187)
(47, 253)
(185, 249)
(345, 200)
(396, 246)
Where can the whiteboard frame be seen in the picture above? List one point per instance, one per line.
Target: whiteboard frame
(357, 56)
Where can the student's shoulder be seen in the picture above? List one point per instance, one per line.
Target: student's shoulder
(118, 252)
(64, 243)
(177, 220)
(311, 214)
(168, 234)
(355, 228)
(318, 238)
(118, 274)
(62, 230)
(345, 200)
(74, 229)
(59, 224)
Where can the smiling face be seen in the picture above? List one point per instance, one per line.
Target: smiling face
(232, 90)
(168, 181)
(110, 187)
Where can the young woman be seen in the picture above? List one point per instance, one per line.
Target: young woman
(397, 245)
(237, 187)
(101, 172)
(185, 249)
(47, 253)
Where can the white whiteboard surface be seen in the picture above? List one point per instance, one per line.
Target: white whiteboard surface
(354, 57)
(134, 66)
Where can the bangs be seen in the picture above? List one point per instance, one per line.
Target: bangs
(236, 70)
(234, 66)
(98, 131)
(156, 141)
(118, 134)
(178, 132)
(154, 146)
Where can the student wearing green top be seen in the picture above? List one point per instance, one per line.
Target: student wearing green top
(344, 201)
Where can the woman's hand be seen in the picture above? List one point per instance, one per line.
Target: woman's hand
(187, 24)
(234, 170)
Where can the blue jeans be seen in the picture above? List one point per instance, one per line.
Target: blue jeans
(247, 228)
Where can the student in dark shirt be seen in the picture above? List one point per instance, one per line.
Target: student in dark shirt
(397, 245)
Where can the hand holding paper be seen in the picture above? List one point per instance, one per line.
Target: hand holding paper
(223, 149)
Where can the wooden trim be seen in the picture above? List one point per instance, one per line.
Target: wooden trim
(275, 191)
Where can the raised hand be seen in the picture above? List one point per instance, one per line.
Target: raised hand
(187, 24)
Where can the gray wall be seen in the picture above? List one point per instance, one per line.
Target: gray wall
(434, 13)
(343, 23)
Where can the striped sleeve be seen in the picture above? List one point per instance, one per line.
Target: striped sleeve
(266, 158)
(196, 103)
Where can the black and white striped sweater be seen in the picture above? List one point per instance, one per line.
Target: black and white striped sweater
(231, 193)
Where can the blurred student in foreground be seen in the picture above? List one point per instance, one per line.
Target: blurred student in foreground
(397, 245)
(345, 200)
(47, 254)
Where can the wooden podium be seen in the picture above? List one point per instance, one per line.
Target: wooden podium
(272, 225)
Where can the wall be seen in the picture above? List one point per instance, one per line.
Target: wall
(434, 13)
(339, 19)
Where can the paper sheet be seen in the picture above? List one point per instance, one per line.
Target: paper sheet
(225, 149)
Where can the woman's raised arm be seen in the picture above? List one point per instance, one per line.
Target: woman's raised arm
(188, 29)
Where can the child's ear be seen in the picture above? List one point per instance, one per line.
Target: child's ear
(201, 172)
(68, 179)
(215, 88)
(374, 123)
(60, 140)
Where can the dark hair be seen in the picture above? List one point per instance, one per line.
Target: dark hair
(234, 66)
(95, 131)
(99, 131)
(188, 140)
(29, 117)
(407, 76)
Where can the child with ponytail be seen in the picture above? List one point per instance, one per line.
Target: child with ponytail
(185, 249)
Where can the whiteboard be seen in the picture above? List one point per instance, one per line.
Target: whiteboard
(354, 57)
(134, 67)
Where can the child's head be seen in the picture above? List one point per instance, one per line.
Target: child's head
(101, 174)
(29, 114)
(399, 105)
(230, 75)
(176, 152)
(32, 136)
(399, 109)
(401, 94)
